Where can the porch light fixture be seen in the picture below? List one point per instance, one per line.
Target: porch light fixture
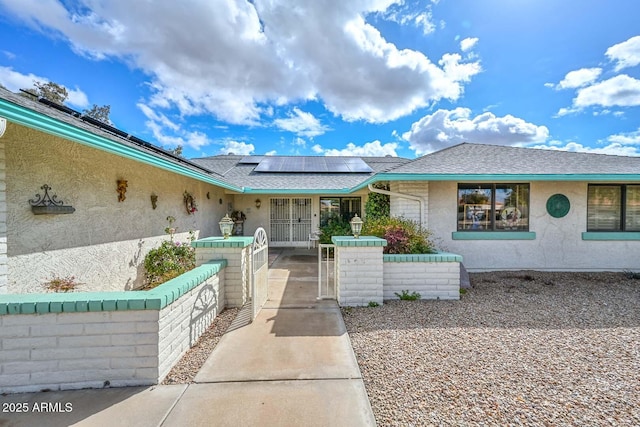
(226, 226)
(356, 226)
(258, 203)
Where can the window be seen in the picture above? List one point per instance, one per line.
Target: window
(341, 208)
(613, 207)
(493, 207)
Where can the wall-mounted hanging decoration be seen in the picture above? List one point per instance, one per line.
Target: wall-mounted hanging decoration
(46, 204)
(154, 201)
(258, 203)
(558, 205)
(121, 190)
(190, 203)
(208, 196)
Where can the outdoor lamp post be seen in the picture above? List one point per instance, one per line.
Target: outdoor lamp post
(356, 226)
(226, 226)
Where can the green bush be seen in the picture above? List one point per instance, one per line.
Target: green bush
(169, 260)
(403, 235)
(406, 296)
(334, 227)
(378, 205)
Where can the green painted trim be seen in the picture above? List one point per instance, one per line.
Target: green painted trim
(74, 302)
(350, 241)
(438, 257)
(32, 119)
(611, 235)
(220, 242)
(493, 235)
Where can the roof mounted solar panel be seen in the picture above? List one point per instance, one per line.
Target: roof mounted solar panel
(251, 160)
(313, 164)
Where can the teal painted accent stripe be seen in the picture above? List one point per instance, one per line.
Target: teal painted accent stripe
(32, 119)
(507, 177)
(74, 302)
(438, 257)
(362, 241)
(493, 235)
(610, 235)
(221, 242)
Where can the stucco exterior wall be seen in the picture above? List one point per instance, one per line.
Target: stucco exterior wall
(558, 243)
(3, 221)
(103, 243)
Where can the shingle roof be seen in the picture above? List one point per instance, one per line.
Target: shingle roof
(470, 159)
(238, 170)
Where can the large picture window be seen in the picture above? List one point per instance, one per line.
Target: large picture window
(339, 208)
(493, 207)
(613, 207)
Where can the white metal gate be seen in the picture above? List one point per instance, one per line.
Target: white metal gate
(260, 271)
(326, 271)
(290, 221)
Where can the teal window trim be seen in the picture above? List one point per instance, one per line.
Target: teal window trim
(493, 235)
(611, 235)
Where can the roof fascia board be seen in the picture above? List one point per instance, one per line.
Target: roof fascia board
(34, 120)
(505, 177)
(285, 191)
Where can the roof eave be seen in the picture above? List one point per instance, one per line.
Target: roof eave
(41, 122)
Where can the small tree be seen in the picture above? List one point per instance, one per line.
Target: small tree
(99, 113)
(51, 91)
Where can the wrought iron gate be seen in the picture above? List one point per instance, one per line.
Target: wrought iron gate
(259, 271)
(290, 221)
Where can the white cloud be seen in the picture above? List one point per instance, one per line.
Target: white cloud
(170, 134)
(449, 127)
(625, 54)
(248, 55)
(629, 138)
(468, 43)
(301, 123)
(14, 81)
(369, 149)
(620, 91)
(237, 147)
(579, 78)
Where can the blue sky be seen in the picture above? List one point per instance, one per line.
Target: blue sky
(335, 77)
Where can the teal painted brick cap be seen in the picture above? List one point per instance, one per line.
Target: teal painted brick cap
(437, 257)
(221, 242)
(362, 241)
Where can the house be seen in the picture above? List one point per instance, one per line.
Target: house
(499, 207)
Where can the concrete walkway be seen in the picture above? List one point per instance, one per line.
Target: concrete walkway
(292, 366)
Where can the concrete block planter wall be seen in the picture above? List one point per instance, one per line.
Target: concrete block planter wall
(98, 339)
(433, 276)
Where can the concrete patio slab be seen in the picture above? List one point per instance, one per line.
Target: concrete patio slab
(274, 403)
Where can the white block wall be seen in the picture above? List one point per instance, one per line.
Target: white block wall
(184, 321)
(408, 208)
(237, 285)
(432, 280)
(60, 351)
(78, 350)
(360, 278)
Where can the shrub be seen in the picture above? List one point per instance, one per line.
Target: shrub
(406, 296)
(169, 260)
(403, 235)
(334, 227)
(378, 205)
(61, 284)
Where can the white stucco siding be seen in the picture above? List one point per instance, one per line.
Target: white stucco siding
(3, 221)
(103, 243)
(558, 243)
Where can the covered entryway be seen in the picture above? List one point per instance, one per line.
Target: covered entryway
(290, 221)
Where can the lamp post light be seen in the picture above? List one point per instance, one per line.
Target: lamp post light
(226, 226)
(356, 226)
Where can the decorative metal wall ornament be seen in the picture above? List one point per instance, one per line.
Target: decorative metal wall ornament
(558, 205)
(121, 190)
(189, 203)
(3, 126)
(47, 204)
(154, 201)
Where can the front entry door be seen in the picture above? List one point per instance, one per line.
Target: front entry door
(290, 221)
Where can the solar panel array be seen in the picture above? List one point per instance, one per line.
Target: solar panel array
(313, 164)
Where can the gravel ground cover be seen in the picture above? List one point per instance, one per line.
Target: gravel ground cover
(519, 348)
(186, 369)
